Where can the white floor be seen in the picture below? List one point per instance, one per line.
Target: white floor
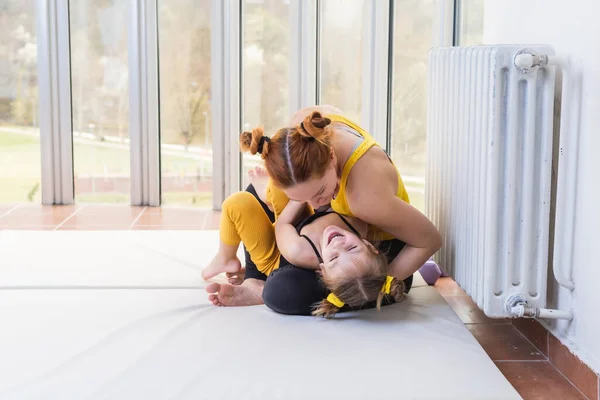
(122, 315)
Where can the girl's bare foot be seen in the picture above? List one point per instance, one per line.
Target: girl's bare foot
(226, 295)
(219, 265)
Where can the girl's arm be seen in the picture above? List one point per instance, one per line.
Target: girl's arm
(375, 202)
(292, 246)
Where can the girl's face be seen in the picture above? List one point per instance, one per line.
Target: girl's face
(343, 252)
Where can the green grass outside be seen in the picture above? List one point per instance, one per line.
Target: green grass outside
(20, 168)
(20, 171)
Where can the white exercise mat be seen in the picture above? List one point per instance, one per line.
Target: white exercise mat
(120, 343)
(108, 259)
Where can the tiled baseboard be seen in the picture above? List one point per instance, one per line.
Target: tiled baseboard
(580, 375)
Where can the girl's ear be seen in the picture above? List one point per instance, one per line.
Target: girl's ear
(370, 246)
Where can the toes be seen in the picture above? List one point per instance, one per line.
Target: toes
(242, 271)
(214, 299)
(234, 279)
(213, 287)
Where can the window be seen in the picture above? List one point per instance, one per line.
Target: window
(100, 97)
(266, 64)
(415, 29)
(20, 170)
(290, 53)
(184, 33)
(341, 54)
(470, 22)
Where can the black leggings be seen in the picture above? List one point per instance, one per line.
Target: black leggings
(293, 290)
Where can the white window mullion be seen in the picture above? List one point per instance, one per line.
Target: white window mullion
(144, 127)
(376, 71)
(226, 97)
(303, 54)
(54, 69)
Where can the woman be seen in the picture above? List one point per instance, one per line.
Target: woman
(330, 160)
(353, 270)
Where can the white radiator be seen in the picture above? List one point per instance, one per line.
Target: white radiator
(489, 135)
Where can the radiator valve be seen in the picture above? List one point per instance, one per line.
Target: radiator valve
(517, 307)
(526, 60)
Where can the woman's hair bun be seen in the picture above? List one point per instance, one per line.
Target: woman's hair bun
(255, 142)
(314, 125)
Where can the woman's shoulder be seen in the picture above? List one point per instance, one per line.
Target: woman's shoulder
(374, 169)
(375, 161)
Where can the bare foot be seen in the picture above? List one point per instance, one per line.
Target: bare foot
(236, 278)
(259, 178)
(224, 294)
(219, 265)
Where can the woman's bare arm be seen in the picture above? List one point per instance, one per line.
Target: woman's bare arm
(375, 202)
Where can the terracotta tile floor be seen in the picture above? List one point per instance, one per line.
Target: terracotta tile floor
(114, 217)
(523, 364)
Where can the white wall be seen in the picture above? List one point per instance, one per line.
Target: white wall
(573, 29)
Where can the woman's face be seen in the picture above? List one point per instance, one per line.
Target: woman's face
(317, 192)
(344, 253)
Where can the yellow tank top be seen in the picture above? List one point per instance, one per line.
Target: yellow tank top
(340, 203)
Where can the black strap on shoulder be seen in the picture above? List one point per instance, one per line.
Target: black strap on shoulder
(314, 248)
(349, 225)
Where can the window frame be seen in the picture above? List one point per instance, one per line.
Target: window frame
(56, 139)
(54, 86)
(144, 110)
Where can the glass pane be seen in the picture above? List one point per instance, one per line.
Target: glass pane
(100, 93)
(470, 30)
(20, 171)
(266, 64)
(415, 29)
(341, 54)
(185, 93)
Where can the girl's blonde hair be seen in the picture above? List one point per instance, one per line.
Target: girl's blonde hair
(355, 291)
